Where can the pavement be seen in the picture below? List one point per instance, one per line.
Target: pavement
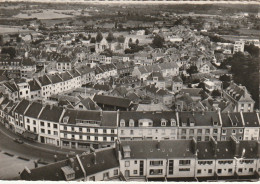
(30, 149)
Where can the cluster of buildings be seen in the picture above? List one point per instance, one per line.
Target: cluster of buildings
(150, 160)
(80, 128)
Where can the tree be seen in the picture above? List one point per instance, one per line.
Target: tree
(136, 41)
(93, 40)
(225, 78)
(130, 40)
(147, 32)
(9, 50)
(99, 36)
(158, 41)
(215, 93)
(193, 69)
(89, 36)
(110, 37)
(252, 50)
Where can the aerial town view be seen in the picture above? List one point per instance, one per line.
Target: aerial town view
(129, 91)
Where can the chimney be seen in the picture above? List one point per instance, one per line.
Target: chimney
(258, 149)
(92, 150)
(35, 164)
(94, 158)
(235, 145)
(117, 147)
(194, 145)
(192, 112)
(117, 116)
(202, 112)
(27, 170)
(71, 163)
(158, 146)
(214, 145)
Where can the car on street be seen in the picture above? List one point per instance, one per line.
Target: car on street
(18, 140)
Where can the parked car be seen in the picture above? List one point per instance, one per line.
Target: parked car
(18, 140)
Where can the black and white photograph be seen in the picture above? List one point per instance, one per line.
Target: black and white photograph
(129, 91)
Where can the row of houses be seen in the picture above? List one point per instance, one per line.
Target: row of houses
(168, 160)
(48, 85)
(74, 128)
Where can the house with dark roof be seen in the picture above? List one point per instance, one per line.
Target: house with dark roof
(159, 95)
(86, 104)
(82, 128)
(64, 63)
(195, 93)
(100, 165)
(49, 126)
(112, 103)
(18, 113)
(87, 74)
(177, 84)
(35, 89)
(157, 79)
(240, 97)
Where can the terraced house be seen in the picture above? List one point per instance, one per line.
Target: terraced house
(82, 129)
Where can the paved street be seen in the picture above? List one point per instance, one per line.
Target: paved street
(28, 150)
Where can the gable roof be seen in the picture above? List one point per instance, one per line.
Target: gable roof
(22, 106)
(34, 110)
(51, 113)
(111, 100)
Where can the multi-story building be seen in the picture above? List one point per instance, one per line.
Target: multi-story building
(239, 46)
(82, 129)
(240, 98)
(167, 160)
(148, 125)
(49, 124)
(64, 63)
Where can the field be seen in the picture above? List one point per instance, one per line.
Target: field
(249, 32)
(44, 14)
(13, 29)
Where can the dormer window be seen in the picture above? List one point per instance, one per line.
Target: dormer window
(192, 123)
(131, 123)
(163, 122)
(173, 122)
(122, 123)
(184, 124)
(65, 119)
(215, 123)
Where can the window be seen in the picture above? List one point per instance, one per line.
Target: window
(206, 138)
(135, 171)
(251, 169)
(115, 172)
(49, 132)
(184, 162)
(224, 132)
(191, 131)
(88, 137)
(92, 178)
(241, 131)
(184, 169)
(207, 131)
(210, 171)
(135, 161)
(42, 131)
(240, 170)
(199, 171)
(65, 128)
(80, 137)
(131, 132)
(34, 122)
(55, 126)
(96, 138)
(55, 132)
(88, 130)
(234, 131)
(104, 131)
(127, 163)
(104, 138)
(199, 131)
(219, 171)
(80, 129)
(112, 131)
(49, 125)
(96, 130)
(42, 123)
(199, 138)
(156, 163)
(28, 120)
(230, 170)
(183, 131)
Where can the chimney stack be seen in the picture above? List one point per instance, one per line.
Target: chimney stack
(214, 144)
(71, 162)
(158, 146)
(95, 158)
(258, 149)
(235, 145)
(194, 145)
